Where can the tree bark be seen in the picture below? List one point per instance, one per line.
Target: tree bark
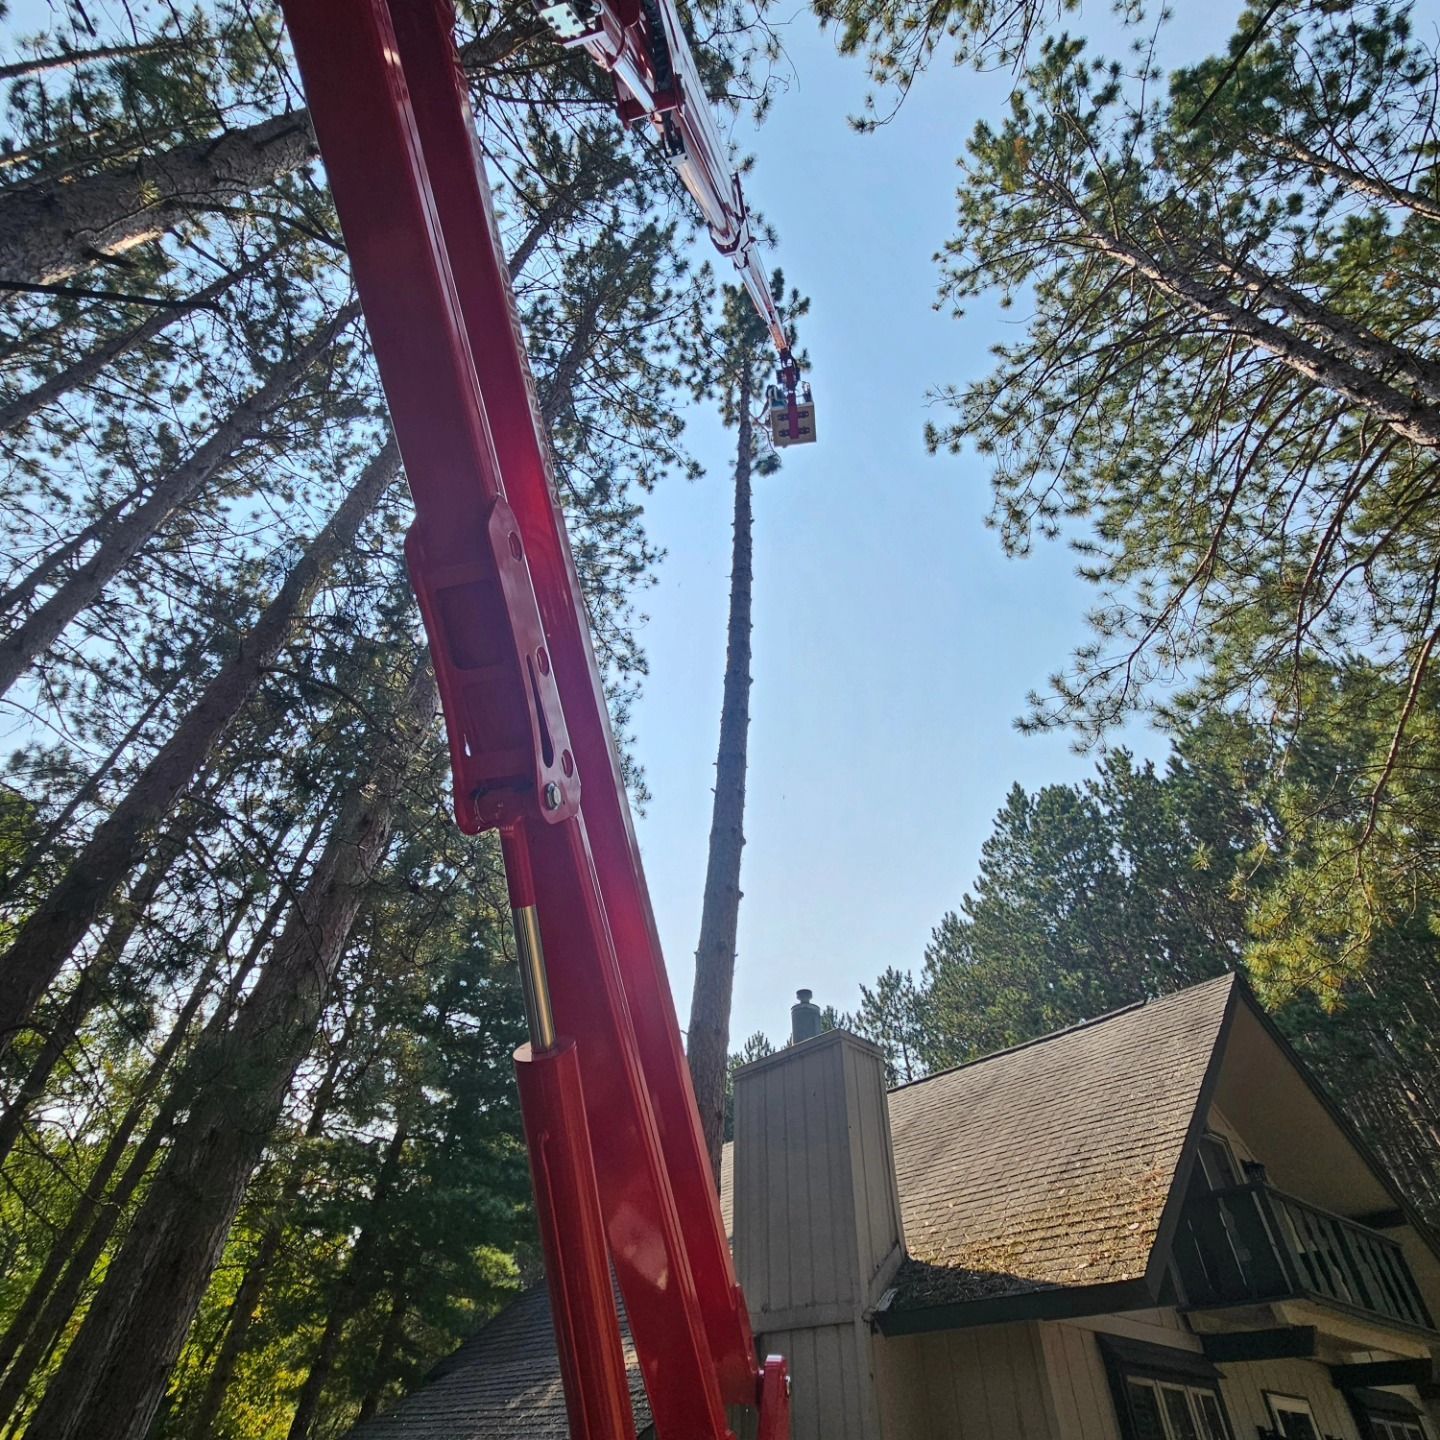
(52, 562)
(73, 59)
(90, 986)
(1406, 416)
(51, 1299)
(1361, 344)
(1375, 186)
(54, 229)
(202, 1424)
(112, 1377)
(80, 372)
(49, 935)
(708, 1039)
(120, 545)
(39, 852)
(350, 1292)
(385, 1352)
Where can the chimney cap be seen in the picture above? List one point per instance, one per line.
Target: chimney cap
(805, 1019)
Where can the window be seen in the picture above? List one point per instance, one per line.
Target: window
(1391, 1427)
(1217, 1160)
(1163, 1393)
(1384, 1415)
(1170, 1410)
(1293, 1417)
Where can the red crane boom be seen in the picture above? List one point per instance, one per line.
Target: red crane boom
(621, 1174)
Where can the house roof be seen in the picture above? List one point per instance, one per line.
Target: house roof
(501, 1384)
(1043, 1167)
(1051, 1164)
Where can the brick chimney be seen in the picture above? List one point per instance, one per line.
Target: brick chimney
(817, 1219)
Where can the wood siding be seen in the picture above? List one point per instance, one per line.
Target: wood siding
(983, 1384)
(817, 1217)
(879, 1232)
(1081, 1390)
(1086, 1409)
(1244, 1389)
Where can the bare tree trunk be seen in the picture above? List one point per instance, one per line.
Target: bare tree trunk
(708, 1039)
(53, 229)
(385, 1353)
(82, 371)
(202, 1424)
(39, 850)
(73, 59)
(120, 545)
(1407, 416)
(112, 1377)
(48, 1305)
(90, 985)
(52, 562)
(1375, 186)
(50, 934)
(349, 1294)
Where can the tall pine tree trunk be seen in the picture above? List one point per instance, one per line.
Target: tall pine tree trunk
(1328, 359)
(52, 230)
(62, 1027)
(111, 1379)
(50, 934)
(122, 542)
(201, 1424)
(51, 1299)
(379, 1371)
(708, 1041)
(350, 1293)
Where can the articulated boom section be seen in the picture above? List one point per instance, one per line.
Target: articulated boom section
(620, 1170)
(643, 45)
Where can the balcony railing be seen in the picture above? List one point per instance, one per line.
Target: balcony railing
(1249, 1243)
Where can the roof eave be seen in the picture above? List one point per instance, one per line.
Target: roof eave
(1063, 1302)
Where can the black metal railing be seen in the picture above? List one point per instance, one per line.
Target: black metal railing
(1251, 1242)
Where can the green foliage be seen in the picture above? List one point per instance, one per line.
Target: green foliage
(899, 39)
(1142, 881)
(1223, 400)
(891, 1015)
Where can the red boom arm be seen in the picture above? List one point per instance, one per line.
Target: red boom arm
(611, 1122)
(642, 44)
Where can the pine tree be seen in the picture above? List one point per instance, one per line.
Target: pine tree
(744, 353)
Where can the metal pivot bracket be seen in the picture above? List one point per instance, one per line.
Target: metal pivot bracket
(509, 746)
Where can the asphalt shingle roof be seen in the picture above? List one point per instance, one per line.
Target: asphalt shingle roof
(501, 1384)
(1049, 1164)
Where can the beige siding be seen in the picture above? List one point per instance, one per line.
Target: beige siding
(1076, 1371)
(791, 1162)
(1085, 1408)
(816, 1214)
(872, 1162)
(981, 1384)
(833, 1392)
(1244, 1385)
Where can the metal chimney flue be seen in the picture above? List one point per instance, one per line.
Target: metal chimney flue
(804, 1018)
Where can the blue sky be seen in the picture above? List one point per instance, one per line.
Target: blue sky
(894, 644)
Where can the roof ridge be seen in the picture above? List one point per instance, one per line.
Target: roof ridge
(1088, 1023)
